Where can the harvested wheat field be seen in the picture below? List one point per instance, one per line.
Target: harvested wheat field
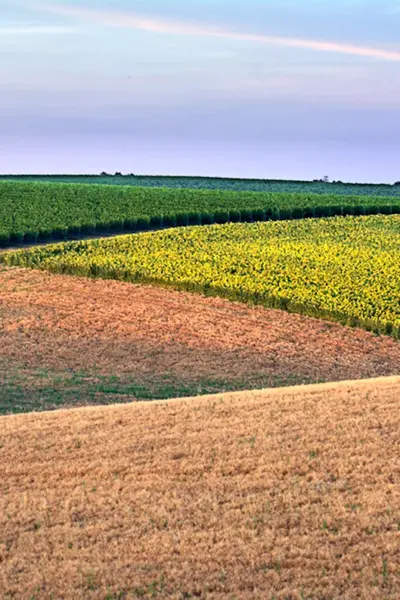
(289, 494)
(68, 341)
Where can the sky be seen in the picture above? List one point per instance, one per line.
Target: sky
(291, 89)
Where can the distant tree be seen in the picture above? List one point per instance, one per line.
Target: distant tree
(118, 174)
(397, 183)
(104, 174)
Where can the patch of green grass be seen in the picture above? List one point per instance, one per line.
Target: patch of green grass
(25, 390)
(152, 590)
(91, 582)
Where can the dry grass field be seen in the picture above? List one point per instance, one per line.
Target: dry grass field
(68, 341)
(285, 494)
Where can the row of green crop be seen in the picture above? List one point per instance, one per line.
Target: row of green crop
(31, 212)
(182, 220)
(220, 183)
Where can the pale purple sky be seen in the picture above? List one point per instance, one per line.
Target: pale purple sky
(243, 88)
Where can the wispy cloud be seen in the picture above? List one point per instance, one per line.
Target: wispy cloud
(33, 30)
(130, 20)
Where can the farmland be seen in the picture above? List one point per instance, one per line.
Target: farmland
(72, 341)
(275, 494)
(344, 269)
(219, 183)
(200, 371)
(279, 493)
(34, 211)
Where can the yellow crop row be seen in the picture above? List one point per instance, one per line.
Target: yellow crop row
(344, 268)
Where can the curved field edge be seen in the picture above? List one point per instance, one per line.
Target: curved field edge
(280, 493)
(328, 387)
(322, 254)
(31, 212)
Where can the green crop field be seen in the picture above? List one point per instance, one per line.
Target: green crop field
(32, 211)
(219, 183)
(344, 268)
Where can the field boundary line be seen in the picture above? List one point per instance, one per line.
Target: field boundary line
(255, 394)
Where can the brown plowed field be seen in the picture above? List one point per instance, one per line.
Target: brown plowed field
(286, 494)
(60, 326)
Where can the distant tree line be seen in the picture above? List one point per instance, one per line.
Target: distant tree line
(322, 180)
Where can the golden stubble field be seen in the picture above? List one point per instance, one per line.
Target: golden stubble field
(286, 494)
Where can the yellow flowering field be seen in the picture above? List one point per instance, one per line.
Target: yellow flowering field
(344, 268)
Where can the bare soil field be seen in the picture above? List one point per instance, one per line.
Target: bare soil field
(285, 494)
(68, 341)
